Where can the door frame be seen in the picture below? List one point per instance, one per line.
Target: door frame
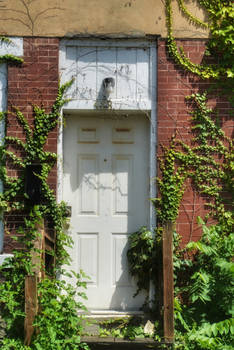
(150, 112)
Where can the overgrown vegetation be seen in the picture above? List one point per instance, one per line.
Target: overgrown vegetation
(204, 291)
(204, 269)
(219, 47)
(208, 165)
(204, 284)
(34, 153)
(127, 328)
(58, 325)
(141, 247)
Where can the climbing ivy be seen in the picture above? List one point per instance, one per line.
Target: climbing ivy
(10, 59)
(171, 185)
(204, 71)
(190, 16)
(221, 16)
(59, 302)
(207, 163)
(219, 46)
(141, 247)
(33, 152)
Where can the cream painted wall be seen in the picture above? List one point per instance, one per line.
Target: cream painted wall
(86, 17)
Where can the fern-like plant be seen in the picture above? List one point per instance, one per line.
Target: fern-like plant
(204, 320)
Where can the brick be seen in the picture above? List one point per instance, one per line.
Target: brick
(42, 40)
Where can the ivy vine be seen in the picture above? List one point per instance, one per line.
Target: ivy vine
(33, 153)
(190, 16)
(221, 15)
(59, 302)
(208, 161)
(208, 164)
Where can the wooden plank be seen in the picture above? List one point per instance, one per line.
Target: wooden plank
(168, 283)
(37, 252)
(43, 256)
(49, 247)
(31, 307)
(51, 239)
(31, 299)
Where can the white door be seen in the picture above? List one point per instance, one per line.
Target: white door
(106, 182)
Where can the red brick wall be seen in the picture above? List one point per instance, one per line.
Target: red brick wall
(33, 83)
(173, 114)
(36, 83)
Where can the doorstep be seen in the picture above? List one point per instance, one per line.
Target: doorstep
(99, 343)
(95, 341)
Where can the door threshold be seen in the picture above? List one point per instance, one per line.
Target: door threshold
(112, 313)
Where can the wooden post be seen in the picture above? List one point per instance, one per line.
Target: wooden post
(31, 307)
(31, 302)
(168, 283)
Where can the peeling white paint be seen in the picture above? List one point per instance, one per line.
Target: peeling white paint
(90, 62)
(14, 47)
(3, 257)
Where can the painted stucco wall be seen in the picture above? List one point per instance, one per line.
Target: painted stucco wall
(75, 17)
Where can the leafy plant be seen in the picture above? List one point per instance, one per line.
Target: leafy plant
(59, 302)
(204, 283)
(59, 320)
(204, 308)
(208, 163)
(204, 280)
(127, 328)
(8, 58)
(33, 151)
(140, 258)
(207, 277)
(219, 46)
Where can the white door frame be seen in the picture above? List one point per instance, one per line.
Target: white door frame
(150, 113)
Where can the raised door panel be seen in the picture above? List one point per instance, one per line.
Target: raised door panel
(88, 184)
(122, 184)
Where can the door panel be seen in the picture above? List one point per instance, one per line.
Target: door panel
(106, 182)
(88, 184)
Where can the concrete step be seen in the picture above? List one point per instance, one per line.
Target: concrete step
(99, 334)
(107, 326)
(109, 343)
